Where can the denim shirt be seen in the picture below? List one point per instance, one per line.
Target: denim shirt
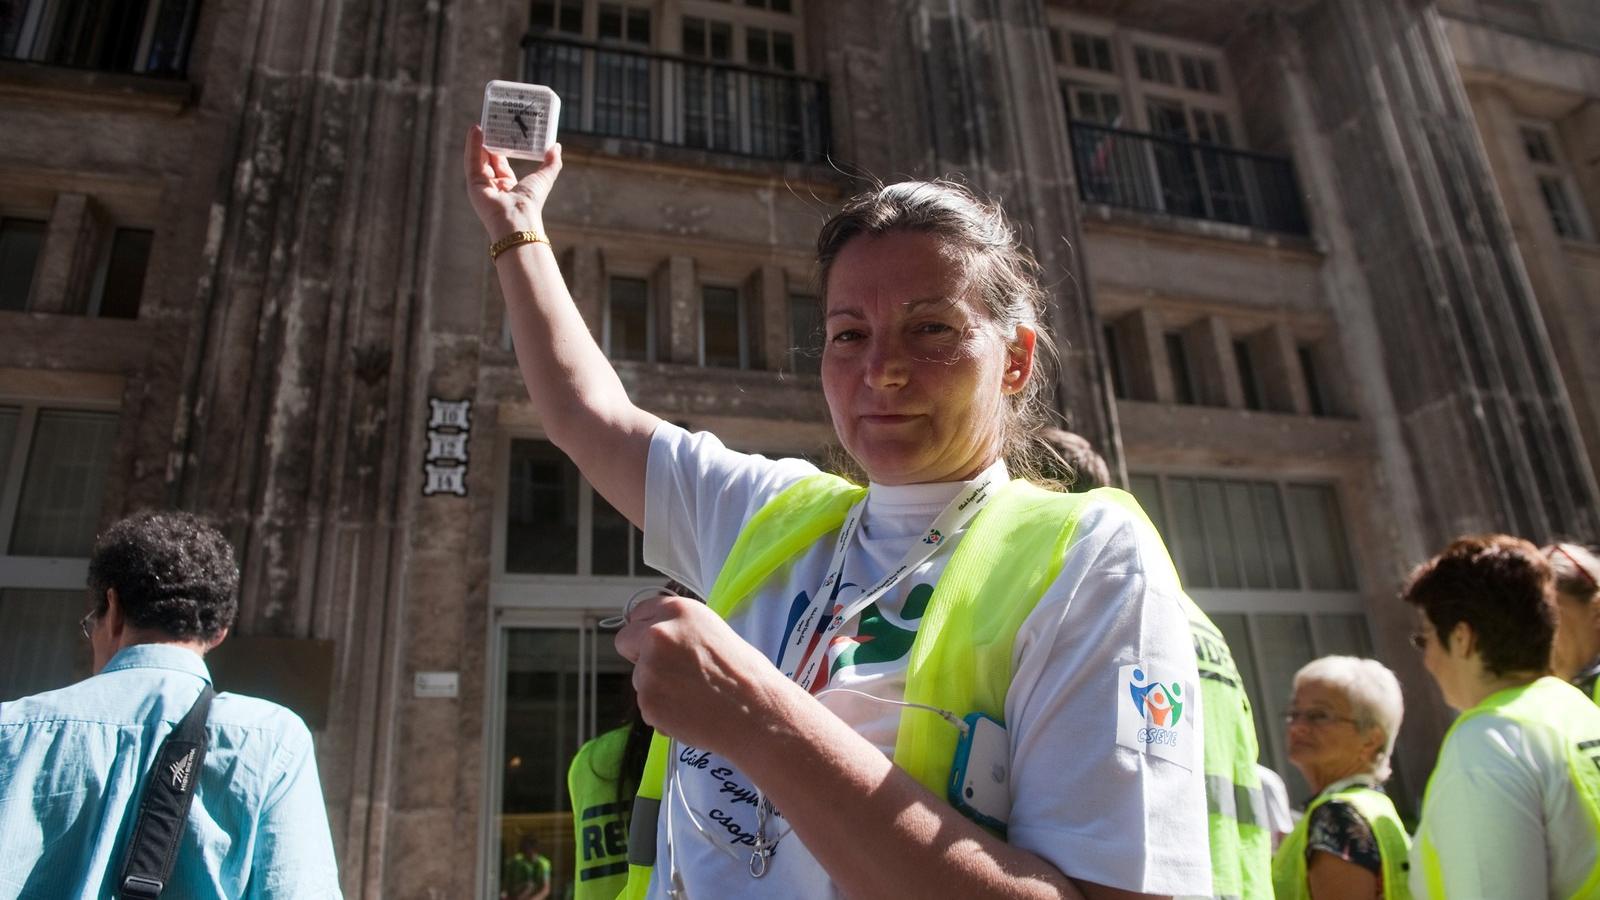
(72, 762)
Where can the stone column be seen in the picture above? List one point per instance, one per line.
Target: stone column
(1480, 404)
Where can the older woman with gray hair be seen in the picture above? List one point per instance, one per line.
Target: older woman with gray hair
(1341, 726)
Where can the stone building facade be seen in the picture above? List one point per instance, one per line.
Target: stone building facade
(1326, 275)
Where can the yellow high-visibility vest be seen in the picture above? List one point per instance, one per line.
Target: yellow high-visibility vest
(961, 657)
(1394, 845)
(599, 819)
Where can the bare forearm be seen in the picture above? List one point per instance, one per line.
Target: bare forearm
(902, 840)
(580, 400)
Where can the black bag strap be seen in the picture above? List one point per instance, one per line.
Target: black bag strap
(164, 805)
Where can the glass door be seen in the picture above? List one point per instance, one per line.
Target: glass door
(560, 682)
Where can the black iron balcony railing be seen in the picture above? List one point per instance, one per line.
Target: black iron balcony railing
(1181, 178)
(616, 92)
(142, 37)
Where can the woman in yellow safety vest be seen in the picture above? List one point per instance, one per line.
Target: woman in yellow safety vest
(1513, 806)
(1576, 656)
(1341, 725)
(945, 683)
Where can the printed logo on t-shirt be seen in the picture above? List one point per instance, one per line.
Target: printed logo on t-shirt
(881, 638)
(1154, 715)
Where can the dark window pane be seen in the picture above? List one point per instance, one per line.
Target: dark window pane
(1190, 71)
(639, 27)
(1308, 370)
(755, 47)
(10, 419)
(1538, 148)
(783, 51)
(721, 41)
(64, 483)
(1119, 380)
(610, 22)
(124, 277)
(694, 37)
(169, 39)
(1178, 360)
(1247, 375)
(571, 17)
(628, 320)
(541, 510)
(20, 242)
(542, 14)
(721, 328)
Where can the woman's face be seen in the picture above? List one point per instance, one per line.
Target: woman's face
(1325, 741)
(916, 376)
(1577, 636)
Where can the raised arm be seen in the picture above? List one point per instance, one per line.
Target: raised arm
(580, 401)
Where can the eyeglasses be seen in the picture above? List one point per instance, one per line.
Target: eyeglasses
(85, 624)
(1419, 640)
(1316, 718)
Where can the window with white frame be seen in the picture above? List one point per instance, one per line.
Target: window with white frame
(1550, 173)
(1122, 78)
(555, 523)
(725, 327)
(1270, 563)
(54, 462)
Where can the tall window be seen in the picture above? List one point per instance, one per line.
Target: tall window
(557, 525)
(1555, 182)
(145, 37)
(1270, 563)
(724, 328)
(20, 243)
(622, 79)
(53, 468)
(630, 320)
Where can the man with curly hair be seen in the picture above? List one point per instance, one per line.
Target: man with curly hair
(74, 761)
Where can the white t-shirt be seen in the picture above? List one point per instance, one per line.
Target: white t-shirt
(1503, 815)
(1096, 809)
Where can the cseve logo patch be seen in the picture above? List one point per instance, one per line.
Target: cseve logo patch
(1155, 714)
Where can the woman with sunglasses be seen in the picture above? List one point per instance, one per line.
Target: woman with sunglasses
(1341, 727)
(1513, 806)
(1576, 656)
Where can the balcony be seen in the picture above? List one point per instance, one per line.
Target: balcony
(613, 92)
(1145, 172)
(138, 37)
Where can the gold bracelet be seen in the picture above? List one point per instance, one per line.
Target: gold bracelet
(516, 239)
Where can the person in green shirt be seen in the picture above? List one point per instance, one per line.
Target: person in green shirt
(527, 872)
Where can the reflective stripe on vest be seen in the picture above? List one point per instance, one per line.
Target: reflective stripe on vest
(599, 822)
(1548, 704)
(960, 659)
(1375, 807)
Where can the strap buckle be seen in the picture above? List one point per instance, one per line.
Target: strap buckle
(139, 887)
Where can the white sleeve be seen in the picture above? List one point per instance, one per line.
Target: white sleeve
(1083, 800)
(698, 495)
(1484, 817)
